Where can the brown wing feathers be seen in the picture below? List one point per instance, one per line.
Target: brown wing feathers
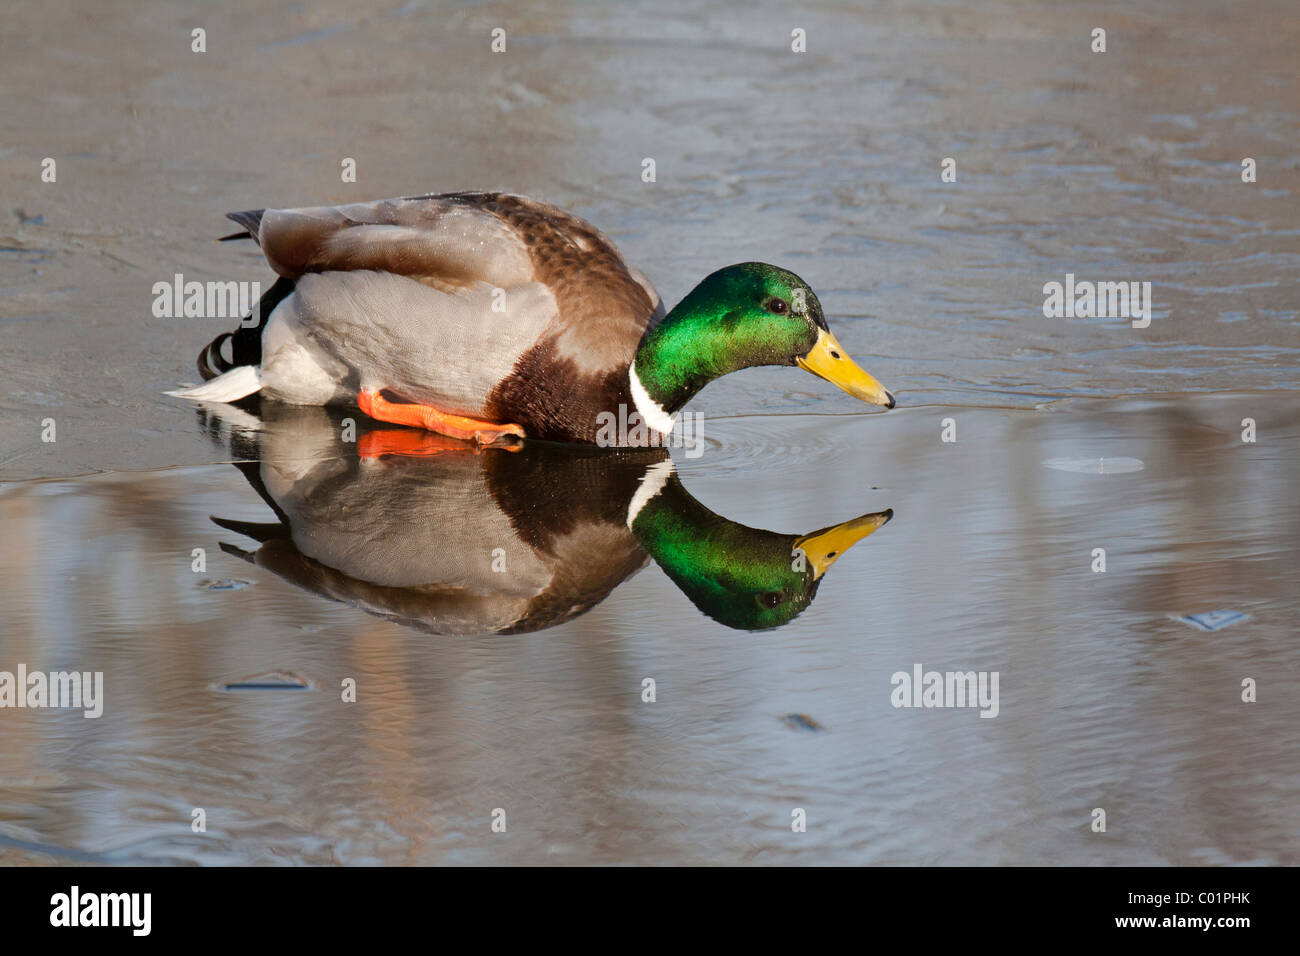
(251, 220)
(575, 370)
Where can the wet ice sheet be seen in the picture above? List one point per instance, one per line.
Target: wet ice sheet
(1121, 167)
(1213, 620)
(1096, 466)
(1105, 701)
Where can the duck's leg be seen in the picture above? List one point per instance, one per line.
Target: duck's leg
(426, 416)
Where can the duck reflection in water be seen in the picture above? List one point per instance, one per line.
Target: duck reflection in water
(451, 538)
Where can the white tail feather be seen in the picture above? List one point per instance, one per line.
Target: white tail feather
(233, 385)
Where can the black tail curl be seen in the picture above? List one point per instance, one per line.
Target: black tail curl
(245, 341)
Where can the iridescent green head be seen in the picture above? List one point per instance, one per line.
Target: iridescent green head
(739, 317)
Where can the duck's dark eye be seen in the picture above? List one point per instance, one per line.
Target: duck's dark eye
(777, 306)
(770, 598)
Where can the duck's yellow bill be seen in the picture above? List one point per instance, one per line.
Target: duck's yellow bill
(821, 548)
(827, 359)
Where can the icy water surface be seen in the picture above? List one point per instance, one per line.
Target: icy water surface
(1123, 166)
(521, 689)
(379, 570)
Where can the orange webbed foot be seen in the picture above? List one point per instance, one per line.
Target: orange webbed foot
(426, 416)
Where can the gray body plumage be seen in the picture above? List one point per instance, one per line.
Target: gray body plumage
(487, 305)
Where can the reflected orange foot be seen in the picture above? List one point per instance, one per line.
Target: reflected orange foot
(428, 417)
(405, 441)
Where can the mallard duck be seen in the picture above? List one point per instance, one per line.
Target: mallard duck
(451, 538)
(481, 315)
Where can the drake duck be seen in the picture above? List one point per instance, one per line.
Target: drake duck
(480, 315)
(450, 538)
